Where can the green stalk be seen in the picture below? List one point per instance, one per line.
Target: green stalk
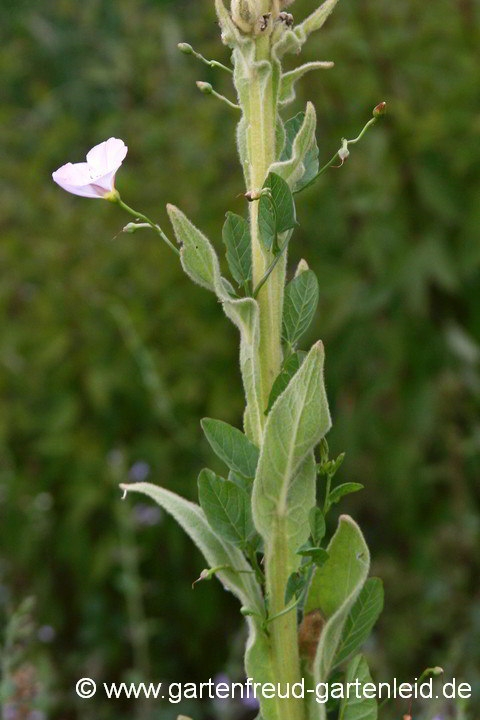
(261, 146)
(262, 114)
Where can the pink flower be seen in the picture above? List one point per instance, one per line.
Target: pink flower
(96, 177)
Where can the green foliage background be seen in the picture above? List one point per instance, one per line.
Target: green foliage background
(109, 356)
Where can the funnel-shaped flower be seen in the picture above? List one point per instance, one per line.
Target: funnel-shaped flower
(96, 177)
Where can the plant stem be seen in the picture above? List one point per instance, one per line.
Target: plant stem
(268, 279)
(261, 142)
(150, 223)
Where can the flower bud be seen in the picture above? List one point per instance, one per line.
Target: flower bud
(185, 48)
(247, 14)
(204, 87)
(380, 109)
(132, 227)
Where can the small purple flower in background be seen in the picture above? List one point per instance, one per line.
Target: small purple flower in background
(9, 712)
(221, 679)
(147, 515)
(36, 715)
(46, 634)
(96, 177)
(249, 700)
(139, 471)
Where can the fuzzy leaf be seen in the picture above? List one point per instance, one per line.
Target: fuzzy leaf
(301, 300)
(334, 589)
(314, 21)
(216, 551)
(361, 619)
(353, 707)
(301, 164)
(289, 79)
(241, 581)
(296, 423)
(200, 262)
(197, 256)
(227, 508)
(231, 446)
(236, 236)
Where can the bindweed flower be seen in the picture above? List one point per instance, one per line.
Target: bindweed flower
(96, 177)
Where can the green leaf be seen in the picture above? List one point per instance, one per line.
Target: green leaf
(289, 369)
(297, 421)
(267, 222)
(227, 508)
(314, 21)
(289, 79)
(299, 161)
(301, 300)
(316, 520)
(317, 554)
(231, 446)
(353, 707)
(236, 236)
(243, 483)
(334, 589)
(240, 579)
(361, 619)
(295, 586)
(197, 256)
(342, 490)
(276, 212)
(292, 126)
(200, 262)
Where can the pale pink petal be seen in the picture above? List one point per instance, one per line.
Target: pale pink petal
(107, 156)
(96, 177)
(77, 179)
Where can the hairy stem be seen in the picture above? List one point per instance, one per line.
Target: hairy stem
(261, 150)
(269, 280)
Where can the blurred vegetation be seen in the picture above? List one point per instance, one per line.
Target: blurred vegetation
(109, 356)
